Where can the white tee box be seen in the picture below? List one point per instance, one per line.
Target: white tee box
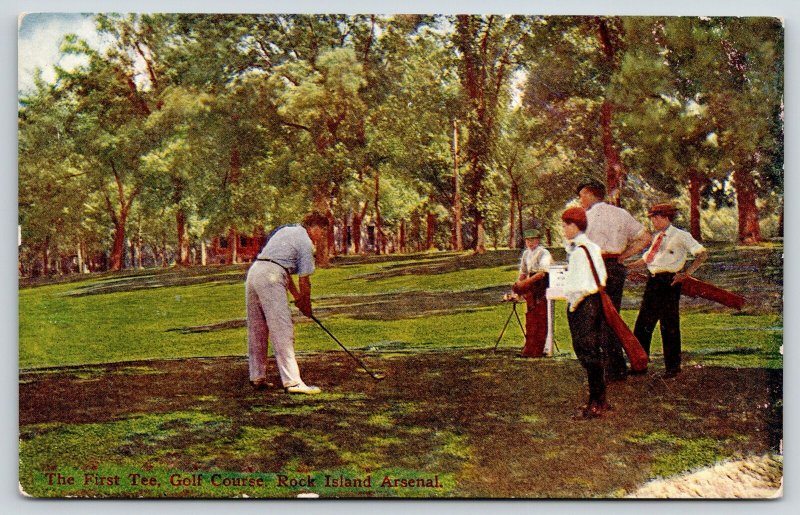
(555, 282)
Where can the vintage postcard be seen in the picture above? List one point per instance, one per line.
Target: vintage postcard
(417, 256)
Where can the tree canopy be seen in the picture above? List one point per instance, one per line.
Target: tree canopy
(189, 131)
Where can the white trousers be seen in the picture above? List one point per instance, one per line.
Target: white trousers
(268, 317)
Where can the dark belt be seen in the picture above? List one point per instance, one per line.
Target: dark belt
(662, 275)
(275, 262)
(607, 256)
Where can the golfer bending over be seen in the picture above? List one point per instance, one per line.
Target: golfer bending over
(289, 250)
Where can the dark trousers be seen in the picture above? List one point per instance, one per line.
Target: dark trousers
(615, 282)
(661, 303)
(535, 325)
(587, 325)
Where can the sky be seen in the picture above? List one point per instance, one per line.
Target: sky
(40, 37)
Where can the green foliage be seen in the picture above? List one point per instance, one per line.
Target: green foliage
(247, 121)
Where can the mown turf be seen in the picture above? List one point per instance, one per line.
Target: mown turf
(484, 424)
(144, 373)
(403, 301)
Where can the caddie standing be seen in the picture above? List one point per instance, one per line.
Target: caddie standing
(532, 283)
(619, 236)
(586, 275)
(665, 260)
(289, 250)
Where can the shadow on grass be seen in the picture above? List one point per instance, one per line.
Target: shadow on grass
(454, 414)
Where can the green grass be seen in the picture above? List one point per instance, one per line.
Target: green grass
(674, 455)
(59, 328)
(115, 459)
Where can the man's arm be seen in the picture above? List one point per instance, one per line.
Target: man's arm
(641, 242)
(639, 263)
(302, 297)
(304, 301)
(699, 259)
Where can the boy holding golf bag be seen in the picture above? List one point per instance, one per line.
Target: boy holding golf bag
(289, 250)
(532, 284)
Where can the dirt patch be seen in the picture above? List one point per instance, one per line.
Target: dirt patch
(501, 425)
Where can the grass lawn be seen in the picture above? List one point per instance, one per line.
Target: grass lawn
(103, 394)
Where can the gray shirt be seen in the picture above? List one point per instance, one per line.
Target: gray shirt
(291, 248)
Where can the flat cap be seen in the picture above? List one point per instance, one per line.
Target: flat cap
(663, 209)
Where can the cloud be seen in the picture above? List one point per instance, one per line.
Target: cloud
(39, 40)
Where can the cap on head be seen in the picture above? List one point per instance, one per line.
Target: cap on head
(533, 229)
(593, 185)
(577, 216)
(315, 218)
(665, 209)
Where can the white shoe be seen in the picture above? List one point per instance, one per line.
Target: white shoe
(303, 388)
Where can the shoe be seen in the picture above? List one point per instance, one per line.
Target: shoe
(592, 410)
(303, 388)
(595, 410)
(670, 374)
(261, 384)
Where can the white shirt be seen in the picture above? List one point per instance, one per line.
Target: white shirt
(579, 281)
(611, 227)
(675, 247)
(536, 260)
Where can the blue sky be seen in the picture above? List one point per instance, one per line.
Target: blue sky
(39, 39)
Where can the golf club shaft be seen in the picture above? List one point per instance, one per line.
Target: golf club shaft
(356, 358)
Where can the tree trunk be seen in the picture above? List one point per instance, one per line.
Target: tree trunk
(233, 246)
(203, 253)
(512, 240)
(356, 233)
(378, 229)
(694, 205)
(416, 227)
(80, 257)
(357, 220)
(520, 241)
(749, 230)
(480, 233)
(430, 231)
(345, 245)
(46, 257)
(321, 202)
(458, 242)
(402, 238)
(182, 259)
(118, 248)
(614, 171)
(331, 232)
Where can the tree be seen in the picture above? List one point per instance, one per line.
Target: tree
(488, 48)
(54, 193)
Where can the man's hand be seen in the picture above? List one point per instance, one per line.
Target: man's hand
(304, 305)
(679, 278)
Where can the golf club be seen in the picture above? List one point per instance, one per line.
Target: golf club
(372, 374)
